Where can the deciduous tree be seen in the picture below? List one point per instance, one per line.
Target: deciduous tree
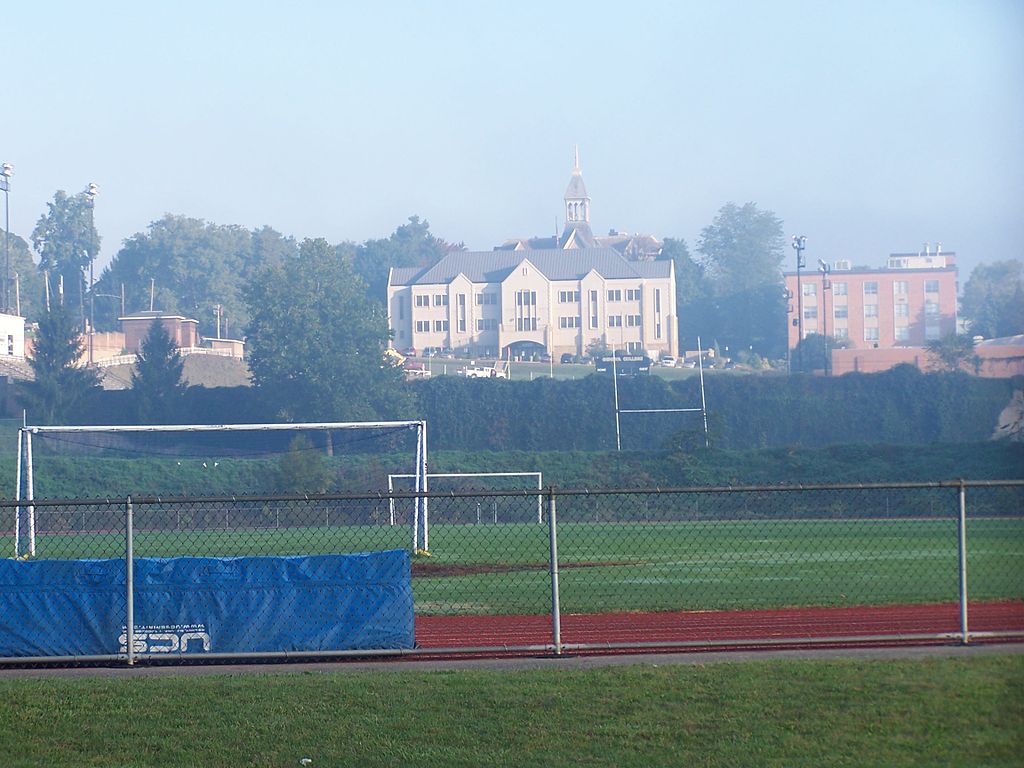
(993, 300)
(316, 341)
(411, 245)
(192, 266)
(741, 254)
(66, 240)
(954, 352)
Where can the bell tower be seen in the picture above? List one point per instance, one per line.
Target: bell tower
(577, 201)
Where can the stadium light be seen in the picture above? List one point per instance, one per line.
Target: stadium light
(6, 171)
(799, 244)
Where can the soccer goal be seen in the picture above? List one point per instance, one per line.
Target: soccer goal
(490, 509)
(181, 461)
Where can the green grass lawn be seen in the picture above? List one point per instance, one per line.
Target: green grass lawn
(702, 565)
(933, 712)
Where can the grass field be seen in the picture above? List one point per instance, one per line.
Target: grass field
(773, 713)
(639, 566)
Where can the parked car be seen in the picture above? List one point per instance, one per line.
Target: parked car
(566, 358)
(668, 361)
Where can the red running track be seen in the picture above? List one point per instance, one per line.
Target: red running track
(725, 627)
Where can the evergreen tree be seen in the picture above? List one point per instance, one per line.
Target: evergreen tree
(156, 378)
(62, 386)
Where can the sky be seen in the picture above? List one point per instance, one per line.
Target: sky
(870, 127)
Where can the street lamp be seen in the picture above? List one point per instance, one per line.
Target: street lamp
(799, 243)
(825, 285)
(90, 194)
(6, 171)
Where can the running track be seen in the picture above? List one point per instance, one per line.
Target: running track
(749, 628)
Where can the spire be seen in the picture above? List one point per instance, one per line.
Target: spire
(577, 209)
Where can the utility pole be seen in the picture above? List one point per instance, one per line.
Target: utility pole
(90, 193)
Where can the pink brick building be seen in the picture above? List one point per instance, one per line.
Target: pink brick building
(905, 304)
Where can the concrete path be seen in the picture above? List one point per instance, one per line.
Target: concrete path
(522, 663)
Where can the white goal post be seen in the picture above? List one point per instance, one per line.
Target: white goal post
(25, 542)
(432, 475)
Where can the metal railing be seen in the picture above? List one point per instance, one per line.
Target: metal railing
(608, 569)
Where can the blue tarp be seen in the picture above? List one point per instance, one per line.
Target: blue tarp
(200, 604)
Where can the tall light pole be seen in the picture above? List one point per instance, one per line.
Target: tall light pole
(799, 243)
(5, 184)
(825, 285)
(90, 194)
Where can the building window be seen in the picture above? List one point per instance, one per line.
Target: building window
(440, 299)
(462, 300)
(615, 295)
(440, 325)
(899, 288)
(634, 321)
(810, 313)
(614, 321)
(526, 298)
(870, 288)
(931, 309)
(569, 322)
(840, 312)
(486, 298)
(487, 324)
(657, 299)
(870, 310)
(632, 294)
(593, 309)
(526, 323)
(401, 334)
(902, 332)
(633, 348)
(568, 297)
(931, 286)
(838, 289)
(931, 332)
(841, 333)
(870, 334)
(810, 289)
(422, 326)
(423, 301)
(901, 310)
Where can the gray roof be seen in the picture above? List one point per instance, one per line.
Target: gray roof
(576, 190)
(554, 264)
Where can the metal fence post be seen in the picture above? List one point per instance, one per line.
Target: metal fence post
(556, 616)
(129, 581)
(962, 546)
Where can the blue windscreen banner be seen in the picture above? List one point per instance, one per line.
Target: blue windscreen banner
(197, 605)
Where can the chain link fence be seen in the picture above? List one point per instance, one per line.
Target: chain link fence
(522, 571)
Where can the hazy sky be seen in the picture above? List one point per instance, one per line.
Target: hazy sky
(870, 127)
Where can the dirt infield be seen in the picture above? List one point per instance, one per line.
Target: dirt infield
(895, 622)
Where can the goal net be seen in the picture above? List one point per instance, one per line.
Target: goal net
(505, 497)
(183, 461)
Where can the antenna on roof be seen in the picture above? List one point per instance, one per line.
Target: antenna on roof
(576, 158)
